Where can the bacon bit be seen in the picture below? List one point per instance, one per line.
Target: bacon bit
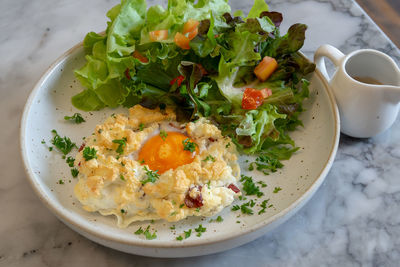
(234, 188)
(177, 80)
(79, 164)
(211, 139)
(81, 147)
(194, 203)
(127, 74)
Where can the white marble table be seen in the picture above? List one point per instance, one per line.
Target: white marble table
(353, 220)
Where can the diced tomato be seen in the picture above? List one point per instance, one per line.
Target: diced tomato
(190, 26)
(177, 80)
(234, 188)
(158, 35)
(253, 98)
(182, 41)
(138, 55)
(265, 68)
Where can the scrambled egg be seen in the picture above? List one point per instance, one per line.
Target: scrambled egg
(147, 166)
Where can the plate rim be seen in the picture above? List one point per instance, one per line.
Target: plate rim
(273, 221)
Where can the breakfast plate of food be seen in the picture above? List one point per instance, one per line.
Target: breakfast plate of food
(180, 131)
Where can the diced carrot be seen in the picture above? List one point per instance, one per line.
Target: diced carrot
(192, 34)
(182, 41)
(265, 68)
(190, 26)
(158, 35)
(138, 55)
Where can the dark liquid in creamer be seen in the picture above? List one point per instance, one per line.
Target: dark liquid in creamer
(368, 80)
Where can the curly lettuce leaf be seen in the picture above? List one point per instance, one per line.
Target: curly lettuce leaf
(258, 124)
(258, 7)
(125, 28)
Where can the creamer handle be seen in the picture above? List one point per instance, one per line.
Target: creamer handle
(330, 52)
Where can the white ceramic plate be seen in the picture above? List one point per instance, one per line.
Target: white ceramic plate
(49, 102)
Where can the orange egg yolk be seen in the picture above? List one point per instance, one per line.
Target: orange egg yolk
(164, 153)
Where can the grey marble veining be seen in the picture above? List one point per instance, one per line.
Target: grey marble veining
(353, 219)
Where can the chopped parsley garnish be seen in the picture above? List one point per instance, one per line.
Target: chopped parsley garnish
(100, 131)
(152, 176)
(188, 145)
(173, 213)
(141, 127)
(218, 219)
(61, 181)
(51, 148)
(139, 231)
(252, 203)
(277, 189)
(142, 161)
(266, 164)
(208, 184)
(43, 142)
(70, 161)
(121, 145)
(263, 206)
(249, 187)
(163, 134)
(172, 227)
(242, 198)
(64, 144)
(188, 233)
(197, 209)
(262, 184)
(228, 145)
(122, 177)
(89, 153)
(146, 233)
(245, 208)
(123, 211)
(200, 230)
(181, 205)
(77, 118)
(74, 172)
(209, 157)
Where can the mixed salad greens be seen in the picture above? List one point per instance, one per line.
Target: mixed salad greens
(202, 59)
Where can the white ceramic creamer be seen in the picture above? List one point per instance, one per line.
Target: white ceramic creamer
(366, 84)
